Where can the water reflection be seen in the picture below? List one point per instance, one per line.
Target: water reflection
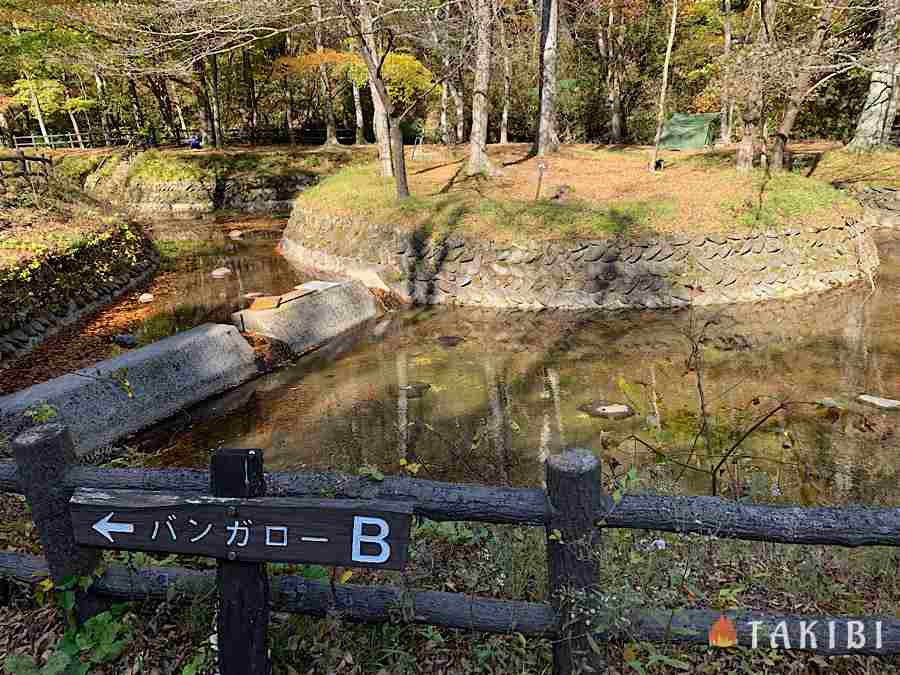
(507, 394)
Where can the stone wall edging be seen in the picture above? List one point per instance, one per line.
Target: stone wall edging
(16, 343)
(617, 273)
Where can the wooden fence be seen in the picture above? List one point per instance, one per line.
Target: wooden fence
(22, 165)
(235, 136)
(572, 510)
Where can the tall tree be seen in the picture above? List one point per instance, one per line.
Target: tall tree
(877, 117)
(547, 136)
(752, 113)
(727, 104)
(390, 146)
(661, 112)
(801, 87)
(484, 24)
(324, 79)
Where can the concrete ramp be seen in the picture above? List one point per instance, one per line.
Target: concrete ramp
(311, 315)
(121, 396)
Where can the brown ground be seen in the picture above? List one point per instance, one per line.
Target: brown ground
(586, 190)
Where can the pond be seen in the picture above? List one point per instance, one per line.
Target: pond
(483, 396)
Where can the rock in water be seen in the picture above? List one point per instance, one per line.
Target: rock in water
(145, 297)
(125, 340)
(450, 340)
(878, 402)
(220, 272)
(415, 389)
(607, 410)
(235, 234)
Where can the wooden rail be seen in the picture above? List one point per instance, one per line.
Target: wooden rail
(849, 526)
(572, 511)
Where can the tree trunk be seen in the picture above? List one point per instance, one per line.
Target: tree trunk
(215, 101)
(102, 103)
(547, 139)
(330, 126)
(38, 112)
(752, 114)
(360, 122)
(368, 50)
(877, 116)
(249, 94)
(478, 159)
(725, 118)
(801, 87)
(611, 43)
(160, 89)
(507, 85)
(198, 85)
(661, 113)
(445, 125)
(137, 112)
(75, 128)
(6, 132)
(460, 112)
(181, 125)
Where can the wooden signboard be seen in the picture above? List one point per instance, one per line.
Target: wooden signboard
(341, 532)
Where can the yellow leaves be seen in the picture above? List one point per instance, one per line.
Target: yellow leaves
(309, 63)
(345, 576)
(410, 467)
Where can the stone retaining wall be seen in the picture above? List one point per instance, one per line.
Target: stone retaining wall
(41, 296)
(196, 197)
(617, 273)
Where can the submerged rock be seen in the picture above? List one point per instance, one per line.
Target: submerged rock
(145, 297)
(450, 340)
(415, 389)
(607, 409)
(220, 272)
(125, 340)
(235, 234)
(879, 402)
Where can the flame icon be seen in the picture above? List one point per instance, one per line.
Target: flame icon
(723, 633)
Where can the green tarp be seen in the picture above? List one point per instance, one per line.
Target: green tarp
(682, 132)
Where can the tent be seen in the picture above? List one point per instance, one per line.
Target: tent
(683, 132)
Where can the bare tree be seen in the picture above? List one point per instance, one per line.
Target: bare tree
(661, 112)
(547, 139)
(727, 101)
(507, 82)
(325, 82)
(484, 23)
(752, 113)
(801, 87)
(880, 108)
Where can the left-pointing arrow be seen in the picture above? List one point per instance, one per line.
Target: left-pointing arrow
(106, 528)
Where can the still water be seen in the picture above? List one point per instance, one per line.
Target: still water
(484, 396)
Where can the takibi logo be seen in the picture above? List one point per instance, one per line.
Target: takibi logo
(801, 634)
(723, 633)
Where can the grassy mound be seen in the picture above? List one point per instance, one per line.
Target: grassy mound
(855, 171)
(170, 165)
(585, 192)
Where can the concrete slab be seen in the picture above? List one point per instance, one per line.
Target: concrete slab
(121, 396)
(309, 321)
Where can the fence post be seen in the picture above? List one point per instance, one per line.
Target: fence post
(573, 542)
(243, 587)
(43, 455)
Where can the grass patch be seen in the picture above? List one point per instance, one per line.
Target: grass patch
(856, 171)
(165, 324)
(786, 198)
(586, 192)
